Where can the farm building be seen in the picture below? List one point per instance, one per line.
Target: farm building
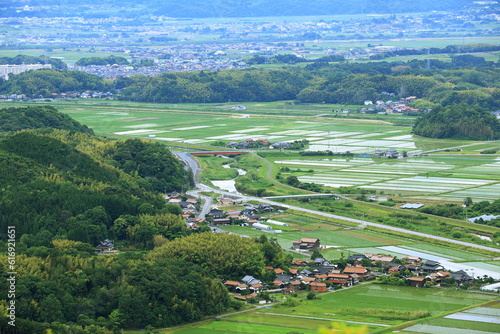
(318, 287)
(275, 222)
(306, 244)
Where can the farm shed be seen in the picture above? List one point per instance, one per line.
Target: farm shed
(275, 222)
(411, 206)
(262, 226)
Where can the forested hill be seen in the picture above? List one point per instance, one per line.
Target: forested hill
(15, 119)
(63, 192)
(235, 8)
(458, 121)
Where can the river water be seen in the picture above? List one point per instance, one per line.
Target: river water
(229, 185)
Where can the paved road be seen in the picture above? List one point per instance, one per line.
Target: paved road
(203, 187)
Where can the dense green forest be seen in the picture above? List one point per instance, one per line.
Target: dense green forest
(458, 121)
(65, 190)
(15, 119)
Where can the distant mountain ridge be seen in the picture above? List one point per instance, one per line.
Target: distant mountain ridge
(244, 8)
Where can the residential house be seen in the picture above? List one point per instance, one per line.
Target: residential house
(412, 260)
(250, 280)
(300, 263)
(356, 258)
(279, 271)
(192, 201)
(231, 285)
(221, 221)
(257, 287)
(318, 287)
(216, 213)
(106, 247)
(461, 276)
(418, 281)
(306, 244)
(358, 270)
(225, 201)
(342, 279)
(384, 259)
(321, 262)
(430, 266)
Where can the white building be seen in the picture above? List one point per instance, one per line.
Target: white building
(5, 70)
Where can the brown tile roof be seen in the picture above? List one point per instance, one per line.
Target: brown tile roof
(293, 271)
(355, 270)
(240, 297)
(344, 276)
(308, 279)
(309, 240)
(232, 283)
(318, 284)
(279, 271)
(417, 279)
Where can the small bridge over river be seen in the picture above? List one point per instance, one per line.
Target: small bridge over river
(303, 196)
(197, 153)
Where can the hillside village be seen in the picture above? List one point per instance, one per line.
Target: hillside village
(316, 274)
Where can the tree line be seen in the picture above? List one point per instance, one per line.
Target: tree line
(467, 79)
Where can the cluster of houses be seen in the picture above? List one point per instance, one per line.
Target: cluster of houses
(320, 275)
(389, 107)
(420, 271)
(314, 275)
(249, 216)
(189, 209)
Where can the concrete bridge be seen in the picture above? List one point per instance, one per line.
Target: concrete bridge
(217, 153)
(303, 196)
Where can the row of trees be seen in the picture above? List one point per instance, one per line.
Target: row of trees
(28, 60)
(44, 82)
(466, 79)
(109, 60)
(329, 83)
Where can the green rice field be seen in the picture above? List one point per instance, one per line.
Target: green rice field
(476, 320)
(368, 305)
(447, 177)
